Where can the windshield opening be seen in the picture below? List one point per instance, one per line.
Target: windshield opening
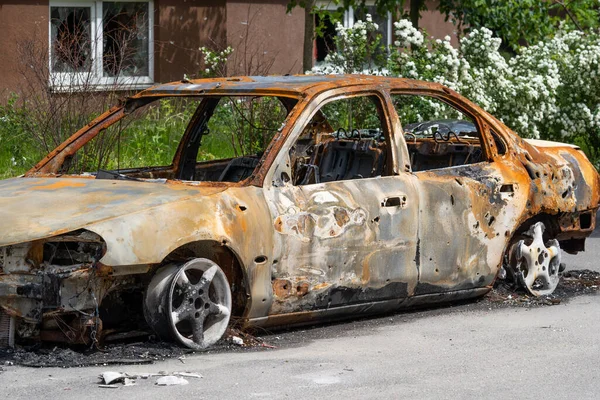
(211, 138)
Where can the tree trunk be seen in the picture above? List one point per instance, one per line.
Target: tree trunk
(309, 35)
(415, 6)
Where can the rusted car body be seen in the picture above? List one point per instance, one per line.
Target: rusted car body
(293, 250)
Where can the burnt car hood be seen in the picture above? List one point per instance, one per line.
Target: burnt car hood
(37, 208)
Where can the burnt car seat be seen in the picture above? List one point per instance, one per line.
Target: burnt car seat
(350, 159)
(336, 160)
(368, 161)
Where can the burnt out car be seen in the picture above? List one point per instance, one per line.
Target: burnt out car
(287, 200)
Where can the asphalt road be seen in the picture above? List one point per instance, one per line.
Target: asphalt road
(466, 351)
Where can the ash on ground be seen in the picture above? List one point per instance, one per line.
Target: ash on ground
(572, 283)
(148, 351)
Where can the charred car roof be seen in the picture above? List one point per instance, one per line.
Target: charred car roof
(287, 84)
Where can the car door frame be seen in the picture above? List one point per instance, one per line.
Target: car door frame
(477, 190)
(274, 187)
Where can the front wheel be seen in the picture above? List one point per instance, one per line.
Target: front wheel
(190, 303)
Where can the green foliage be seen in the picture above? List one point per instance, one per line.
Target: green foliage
(18, 150)
(353, 113)
(519, 22)
(152, 137)
(512, 20)
(247, 124)
(147, 137)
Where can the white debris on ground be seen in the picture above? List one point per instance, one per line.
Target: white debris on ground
(187, 374)
(115, 380)
(110, 377)
(128, 382)
(237, 340)
(171, 380)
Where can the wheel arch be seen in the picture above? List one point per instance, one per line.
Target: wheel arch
(550, 222)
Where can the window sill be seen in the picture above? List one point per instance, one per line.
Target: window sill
(100, 88)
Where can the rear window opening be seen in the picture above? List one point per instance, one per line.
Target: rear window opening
(437, 135)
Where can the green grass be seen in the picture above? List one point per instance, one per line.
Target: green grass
(153, 140)
(18, 150)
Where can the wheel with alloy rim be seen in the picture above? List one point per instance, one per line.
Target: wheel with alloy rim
(190, 303)
(536, 263)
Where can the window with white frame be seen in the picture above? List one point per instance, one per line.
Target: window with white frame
(100, 43)
(324, 44)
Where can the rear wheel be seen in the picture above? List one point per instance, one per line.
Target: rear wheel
(535, 263)
(190, 303)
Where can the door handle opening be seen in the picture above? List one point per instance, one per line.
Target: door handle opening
(395, 201)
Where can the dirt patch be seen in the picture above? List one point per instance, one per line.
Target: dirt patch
(147, 349)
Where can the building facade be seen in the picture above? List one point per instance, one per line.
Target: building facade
(136, 43)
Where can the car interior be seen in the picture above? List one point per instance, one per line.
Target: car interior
(345, 139)
(339, 156)
(329, 150)
(442, 144)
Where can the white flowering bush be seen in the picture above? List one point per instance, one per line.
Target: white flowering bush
(407, 34)
(215, 62)
(359, 50)
(550, 90)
